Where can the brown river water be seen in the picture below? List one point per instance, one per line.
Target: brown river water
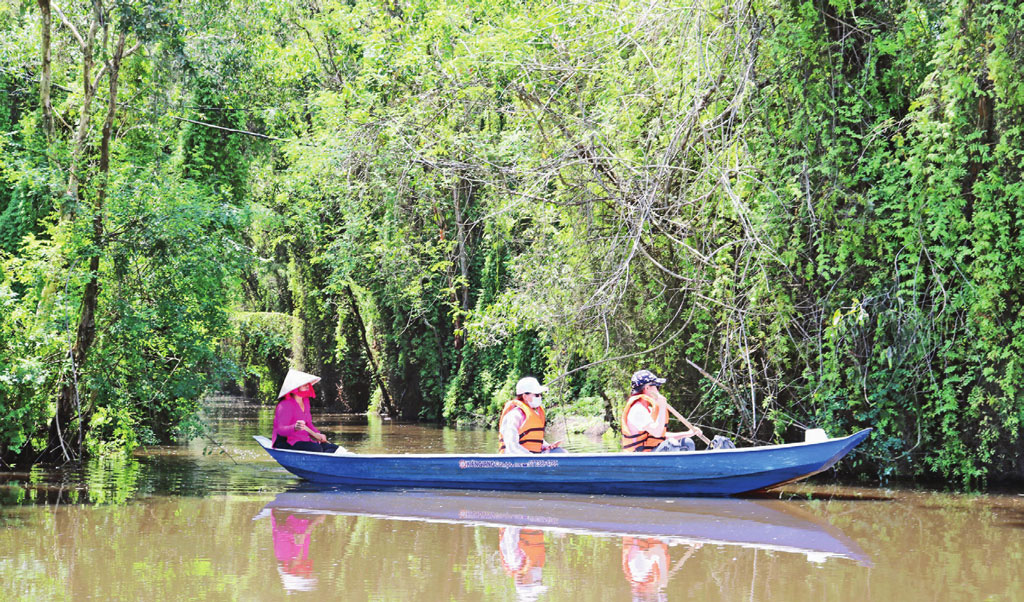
(222, 521)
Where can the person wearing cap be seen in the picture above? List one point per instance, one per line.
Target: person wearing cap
(645, 419)
(521, 426)
(293, 420)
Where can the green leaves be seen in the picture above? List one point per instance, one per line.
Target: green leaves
(807, 213)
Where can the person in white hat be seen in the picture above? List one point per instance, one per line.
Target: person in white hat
(522, 422)
(293, 420)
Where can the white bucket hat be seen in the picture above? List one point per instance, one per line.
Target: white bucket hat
(529, 385)
(295, 379)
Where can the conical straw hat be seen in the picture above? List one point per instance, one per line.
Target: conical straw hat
(296, 379)
(296, 583)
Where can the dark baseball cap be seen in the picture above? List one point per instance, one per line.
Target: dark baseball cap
(642, 378)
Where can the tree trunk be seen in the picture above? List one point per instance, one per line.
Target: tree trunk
(45, 72)
(463, 190)
(69, 204)
(89, 88)
(69, 406)
(389, 404)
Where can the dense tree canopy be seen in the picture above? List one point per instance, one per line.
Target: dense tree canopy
(806, 214)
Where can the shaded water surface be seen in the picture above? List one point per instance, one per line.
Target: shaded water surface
(219, 520)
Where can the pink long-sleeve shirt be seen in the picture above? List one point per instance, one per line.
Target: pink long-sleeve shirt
(285, 416)
(291, 539)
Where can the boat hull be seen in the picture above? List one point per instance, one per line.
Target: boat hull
(700, 473)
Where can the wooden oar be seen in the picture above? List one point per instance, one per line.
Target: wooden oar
(687, 423)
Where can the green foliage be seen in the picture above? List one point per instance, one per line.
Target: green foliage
(266, 344)
(214, 155)
(806, 214)
(159, 351)
(163, 315)
(910, 204)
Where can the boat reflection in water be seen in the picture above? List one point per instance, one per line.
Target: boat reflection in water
(649, 527)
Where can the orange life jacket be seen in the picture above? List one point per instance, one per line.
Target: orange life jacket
(531, 432)
(642, 441)
(531, 544)
(655, 552)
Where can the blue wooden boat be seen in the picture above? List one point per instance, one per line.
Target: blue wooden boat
(776, 525)
(699, 473)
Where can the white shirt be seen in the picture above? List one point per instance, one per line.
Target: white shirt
(639, 420)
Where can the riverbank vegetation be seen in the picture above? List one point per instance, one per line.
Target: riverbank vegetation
(805, 214)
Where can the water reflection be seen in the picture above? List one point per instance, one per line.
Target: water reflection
(291, 533)
(522, 555)
(645, 562)
(177, 522)
(765, 524)
(658, 536)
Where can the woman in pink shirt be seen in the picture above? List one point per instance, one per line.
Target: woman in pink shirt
(293, 422)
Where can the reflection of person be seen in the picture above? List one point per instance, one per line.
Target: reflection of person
(522, 555)
(293, 421)
(645, 564)
(521, 427)
(291, 548)
(645, 419)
